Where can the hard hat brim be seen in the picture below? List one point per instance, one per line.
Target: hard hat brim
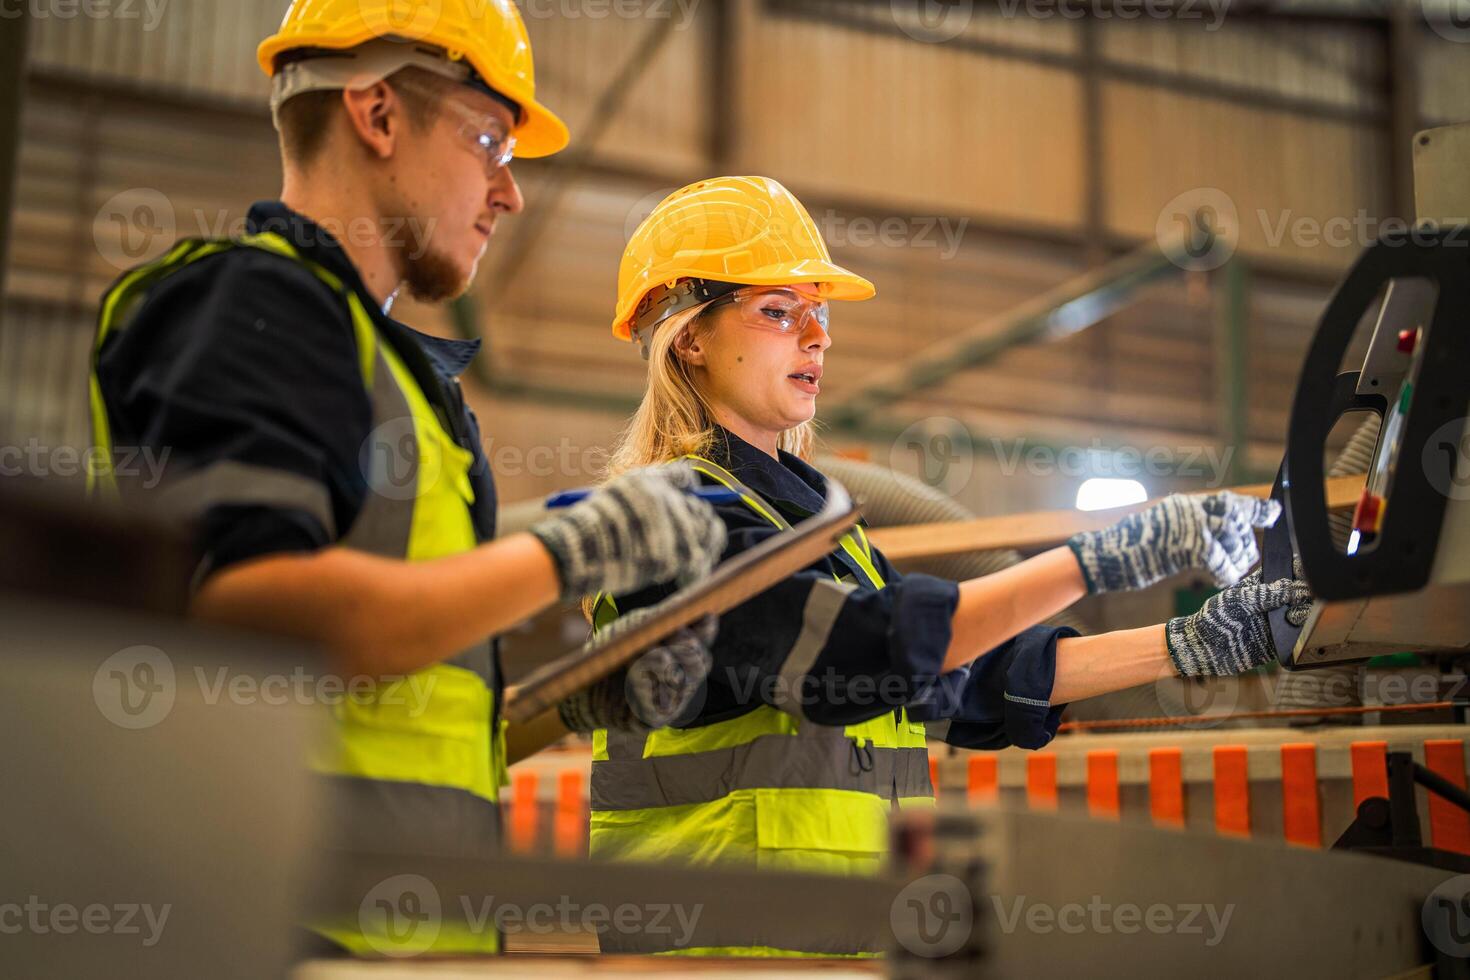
(539, 133)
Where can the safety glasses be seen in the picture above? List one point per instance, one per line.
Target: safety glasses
(784, 309)
(486, 135)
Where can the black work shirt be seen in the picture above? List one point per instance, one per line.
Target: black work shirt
(885, 648)
(246, 357)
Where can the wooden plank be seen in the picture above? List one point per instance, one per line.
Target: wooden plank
(1044, 529)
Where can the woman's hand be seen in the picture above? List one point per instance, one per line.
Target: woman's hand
(1230, 634)
(661, 687)
(1215, 533)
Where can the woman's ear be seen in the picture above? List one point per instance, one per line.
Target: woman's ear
(687, 348)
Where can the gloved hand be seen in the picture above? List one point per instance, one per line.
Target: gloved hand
(1179, 533)
(1230, 634)
(640, 529)
(657, 689)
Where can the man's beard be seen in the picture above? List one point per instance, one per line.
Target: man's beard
(433, 278)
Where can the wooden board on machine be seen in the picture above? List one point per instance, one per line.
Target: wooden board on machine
(1044, 529)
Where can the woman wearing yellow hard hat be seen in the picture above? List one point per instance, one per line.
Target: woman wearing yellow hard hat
(811, 727)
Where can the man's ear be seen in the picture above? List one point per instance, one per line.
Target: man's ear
(375, 115)
(687, 348)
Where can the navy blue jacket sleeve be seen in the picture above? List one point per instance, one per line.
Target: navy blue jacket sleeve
(1002, 698)
(878, 651)
(245, 358)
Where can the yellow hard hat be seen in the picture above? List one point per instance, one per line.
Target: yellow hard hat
(745, 230)
(489, 34)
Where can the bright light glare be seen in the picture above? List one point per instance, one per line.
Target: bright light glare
(1100, 494)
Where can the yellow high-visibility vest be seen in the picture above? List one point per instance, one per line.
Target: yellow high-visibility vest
(768, 789)
(418, 762)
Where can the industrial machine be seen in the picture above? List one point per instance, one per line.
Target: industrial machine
(1402, 579)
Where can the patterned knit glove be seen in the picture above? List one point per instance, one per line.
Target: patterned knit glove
(1230, 634)
(1179, 533)
(658, 689)
(639, 530)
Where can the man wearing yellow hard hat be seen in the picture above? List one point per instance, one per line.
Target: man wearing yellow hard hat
(325, 449)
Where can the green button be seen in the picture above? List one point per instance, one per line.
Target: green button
(1405, 397)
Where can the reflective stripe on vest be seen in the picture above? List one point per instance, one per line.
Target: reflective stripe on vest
(419, 760)
(767, 788)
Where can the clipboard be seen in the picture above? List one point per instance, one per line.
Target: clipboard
(741, 578)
